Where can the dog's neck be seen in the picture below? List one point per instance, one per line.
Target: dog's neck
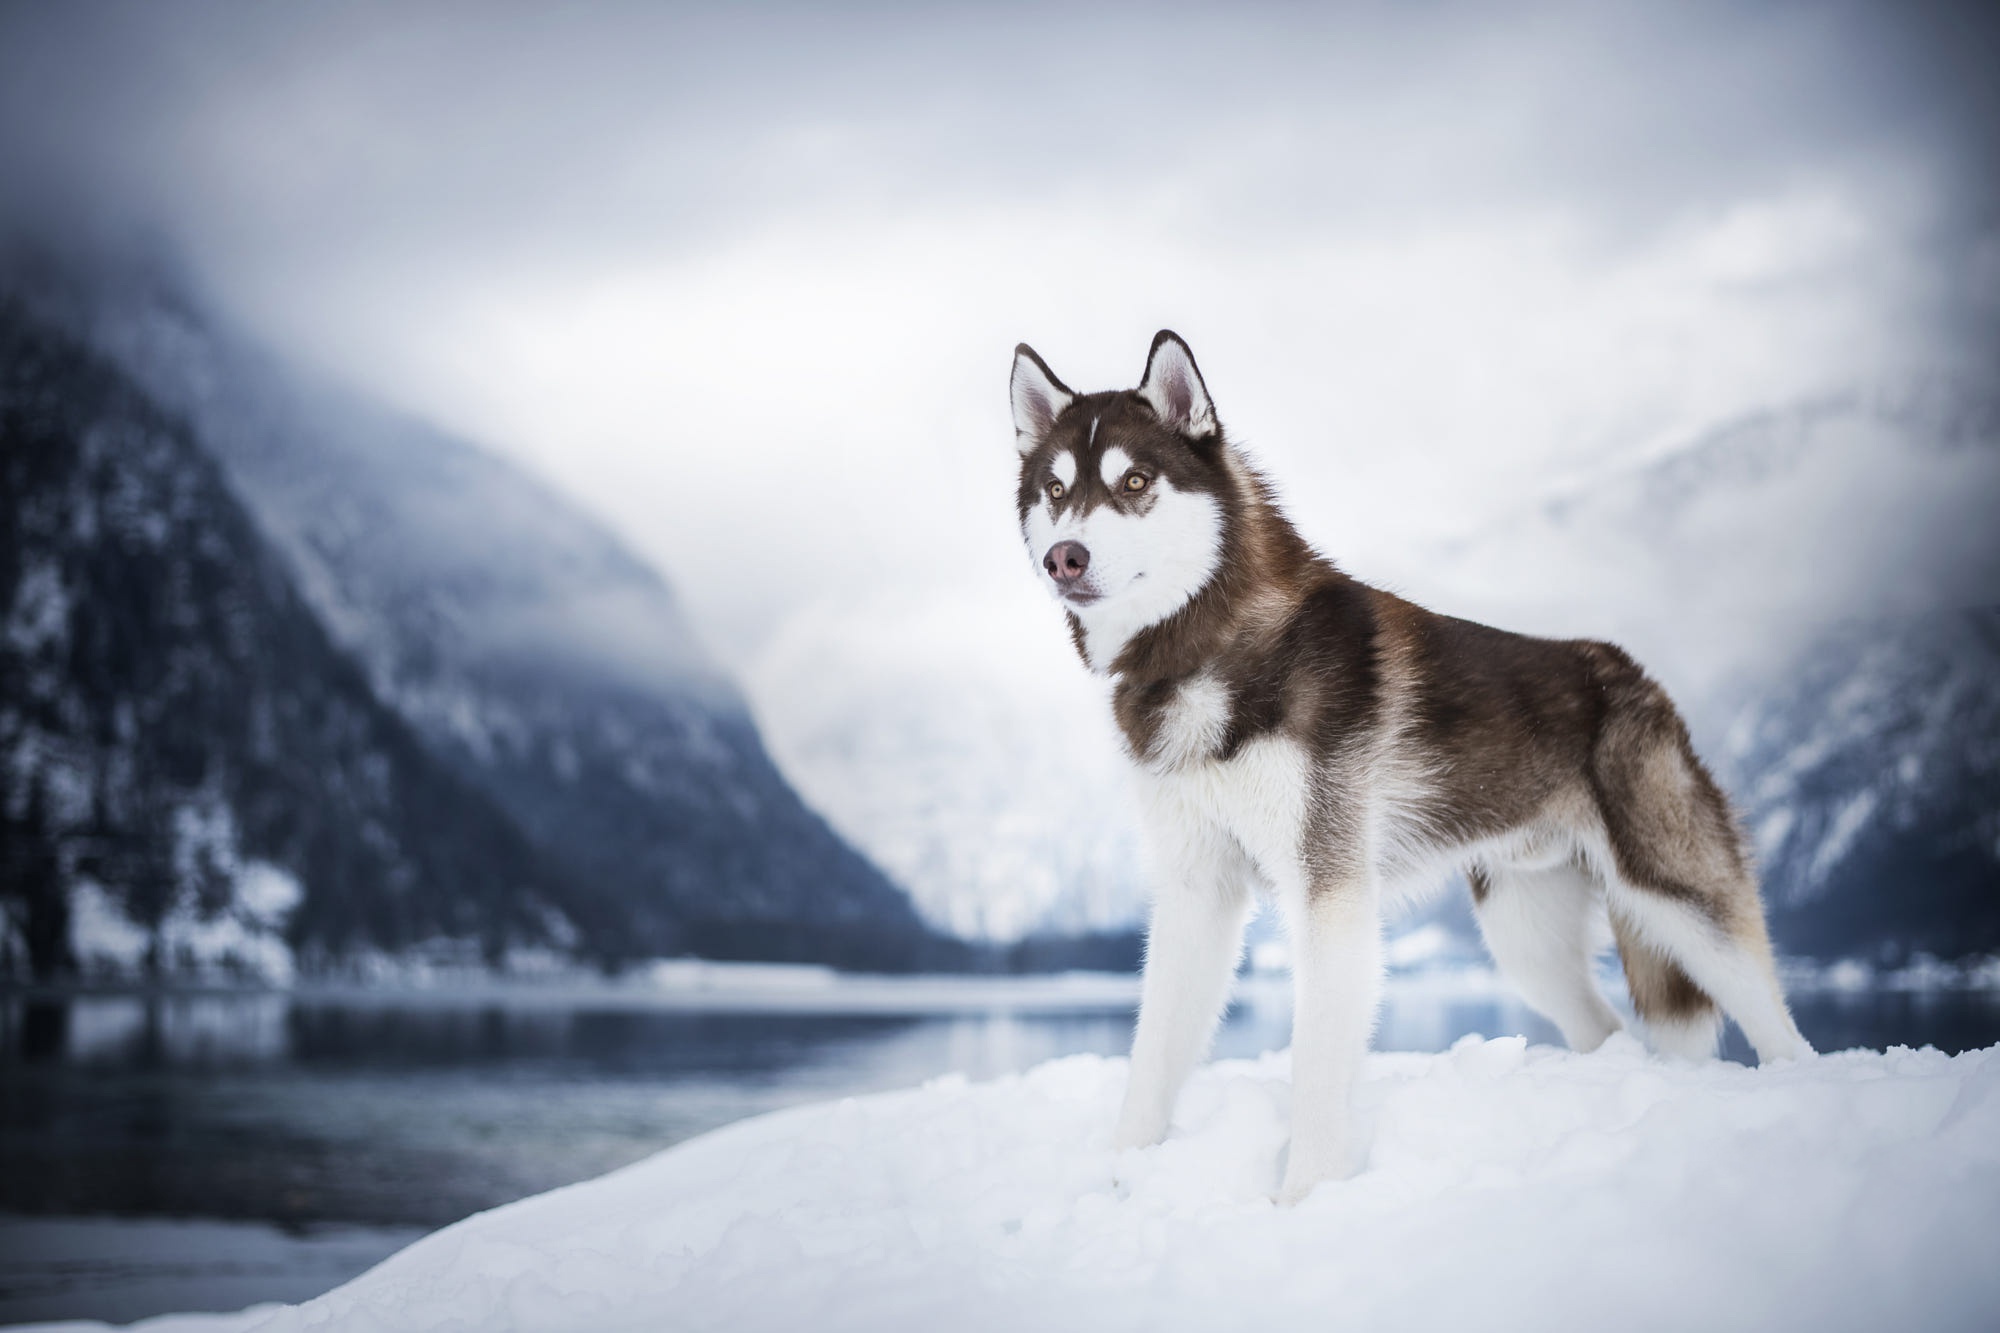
(1263, 568)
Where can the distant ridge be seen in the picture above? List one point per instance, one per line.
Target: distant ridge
(178, 729)
(518, 655)
(1870, 779)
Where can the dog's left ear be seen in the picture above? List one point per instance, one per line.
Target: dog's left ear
(1173, 387)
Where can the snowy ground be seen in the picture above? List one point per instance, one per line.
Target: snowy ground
(1507, 1187)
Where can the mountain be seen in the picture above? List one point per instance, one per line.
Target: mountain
(972, 757)
(1870, 782)
(1817, 584)
(551, 680)
(964, 748)
(1717, 559)
(184, 748)
(527, 654)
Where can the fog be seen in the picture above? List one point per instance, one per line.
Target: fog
(746, 284)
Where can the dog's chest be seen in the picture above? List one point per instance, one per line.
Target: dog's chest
(1257, 795)
(1188, 723)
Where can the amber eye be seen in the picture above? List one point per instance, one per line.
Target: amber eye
(1134, 482)
(1056, 490)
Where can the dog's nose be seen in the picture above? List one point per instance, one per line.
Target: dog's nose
(1066, 562)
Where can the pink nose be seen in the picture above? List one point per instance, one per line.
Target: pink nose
(1066, 562)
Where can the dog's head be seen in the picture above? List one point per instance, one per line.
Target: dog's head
(1120, 493)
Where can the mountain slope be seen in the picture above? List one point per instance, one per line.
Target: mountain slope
(1870, 781)
(1816, 585)
(183, 746)
(532, 653)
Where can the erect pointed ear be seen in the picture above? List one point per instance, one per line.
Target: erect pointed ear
(1173, 386)
(1039, 398)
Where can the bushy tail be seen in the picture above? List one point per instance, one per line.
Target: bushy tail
(1681, 1018)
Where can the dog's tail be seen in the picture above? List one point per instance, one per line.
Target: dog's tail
(1680, 1016)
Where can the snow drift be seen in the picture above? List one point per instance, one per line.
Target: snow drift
(1507, 1186)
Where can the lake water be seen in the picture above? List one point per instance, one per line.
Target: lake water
(211, 1151)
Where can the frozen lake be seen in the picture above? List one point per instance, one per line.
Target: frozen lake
(210, 1151)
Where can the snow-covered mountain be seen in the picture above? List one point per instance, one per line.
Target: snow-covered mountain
(1870, 781)
(1797, 577)
(1717, 558)
(1818, 584)
(973, 758)
(962, 746)
(545, 668)
(195, 777)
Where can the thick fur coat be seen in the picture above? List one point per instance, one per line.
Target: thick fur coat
(1300, 733)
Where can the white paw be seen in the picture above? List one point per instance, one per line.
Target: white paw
(1306, 1173)
(1136, 1136)
(1294, 1192)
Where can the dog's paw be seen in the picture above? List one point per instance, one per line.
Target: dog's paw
(1137, 1132)
(1302, 1177)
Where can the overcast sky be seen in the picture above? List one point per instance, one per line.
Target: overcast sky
(746, 281)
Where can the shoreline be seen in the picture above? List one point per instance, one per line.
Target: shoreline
(702, 985)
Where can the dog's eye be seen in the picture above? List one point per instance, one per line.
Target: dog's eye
(1135, 481)
(1055, 490)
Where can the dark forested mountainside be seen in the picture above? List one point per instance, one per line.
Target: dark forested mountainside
(539, 752)
(172, 713)
(532, 653)
(1870, 779)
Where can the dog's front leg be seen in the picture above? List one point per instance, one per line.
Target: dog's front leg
(1336, 981)
(1192, 944)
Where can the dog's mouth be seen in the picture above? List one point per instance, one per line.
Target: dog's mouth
(1081, 595)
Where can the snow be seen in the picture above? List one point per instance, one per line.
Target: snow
(268, 894)
(39, 618)
(1847, 823)
(101, 935)
(1506, 1186)
(244, 940)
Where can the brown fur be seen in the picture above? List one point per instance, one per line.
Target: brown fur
(1660, 990)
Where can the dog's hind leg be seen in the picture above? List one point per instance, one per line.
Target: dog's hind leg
(1679, 880)
(1538, 926)
(1679, 1017)
(1193, 941)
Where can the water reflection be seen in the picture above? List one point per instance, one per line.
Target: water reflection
(304, 1110)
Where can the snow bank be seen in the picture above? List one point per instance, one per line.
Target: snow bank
(1507, 1187)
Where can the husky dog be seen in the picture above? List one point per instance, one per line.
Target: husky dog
(1300, 733)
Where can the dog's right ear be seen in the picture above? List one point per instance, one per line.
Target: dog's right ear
(1039, 398)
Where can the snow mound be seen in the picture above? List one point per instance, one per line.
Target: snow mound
(1507, 1186)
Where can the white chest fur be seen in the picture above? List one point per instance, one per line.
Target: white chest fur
(1192, 726)
(1255, 799)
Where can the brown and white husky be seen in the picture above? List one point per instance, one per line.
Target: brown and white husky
(1298, 732)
